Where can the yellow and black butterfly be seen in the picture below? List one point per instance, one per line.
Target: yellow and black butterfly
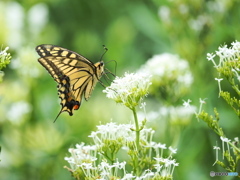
(76, 75)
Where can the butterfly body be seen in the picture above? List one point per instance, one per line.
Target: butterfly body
(76, 75)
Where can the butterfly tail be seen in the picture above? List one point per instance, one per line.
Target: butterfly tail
(68, 101)
(57, 116)
(69, 107)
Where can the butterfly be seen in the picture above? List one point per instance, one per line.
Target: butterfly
(76, 75)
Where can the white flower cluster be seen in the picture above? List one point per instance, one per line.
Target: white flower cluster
(228, 64)
(200, 22)
(226, 141)
(168, 70)
(112, 131)
(91, 162)
(225, 54)
(130, 89)
(4, 60)
(4, 52)
(85, 158)
(4, 56)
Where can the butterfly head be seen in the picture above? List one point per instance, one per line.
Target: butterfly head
(99, 69)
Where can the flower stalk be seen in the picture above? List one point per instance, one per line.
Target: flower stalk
(137, 129)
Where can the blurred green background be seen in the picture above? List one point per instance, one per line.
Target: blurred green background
(33, 147)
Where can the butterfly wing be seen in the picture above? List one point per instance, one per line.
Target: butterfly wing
(75, 74)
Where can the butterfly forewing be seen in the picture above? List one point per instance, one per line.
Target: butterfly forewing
(75, 74)
(46, 50)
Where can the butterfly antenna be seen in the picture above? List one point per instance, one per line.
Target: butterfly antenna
(106, 49)
(57, 116)
(103, 85)
(114, 69)
(106, 78)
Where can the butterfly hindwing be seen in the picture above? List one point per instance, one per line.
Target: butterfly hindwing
(75, 74)
(68, 101)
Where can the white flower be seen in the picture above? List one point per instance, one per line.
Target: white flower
(187, 103)
(130, 89)
(225, 139)
(236, 139)
(169, 162)
(165, 65)
(174, 151)
(216, 147)
(37, 18)
(158, 167)
(4, 60)
(199, 23)
(168, 70)
(15, 21)
(4, 52)
(80, 155)
(217, 6)
(128, 176)
(219, 79)
(219, 84)
(210, 56)
(161, 146)
(121, 133)
(183, 9)
(202, 101)
(176, 164)
(225, 54)
(87, 166)
(112, 131)
(147, 174)
(164, 14)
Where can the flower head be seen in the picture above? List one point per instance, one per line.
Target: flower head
(168, 72)
(226, 55)
(130, 89)
(93, 161)
(4, 60)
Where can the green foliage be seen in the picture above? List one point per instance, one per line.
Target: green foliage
(228, 67)
(211, 121)
(231, 101)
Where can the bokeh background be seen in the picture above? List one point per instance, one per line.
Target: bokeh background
(33, 147)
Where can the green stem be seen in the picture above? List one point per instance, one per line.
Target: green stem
(234, 147)
(137, 130)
